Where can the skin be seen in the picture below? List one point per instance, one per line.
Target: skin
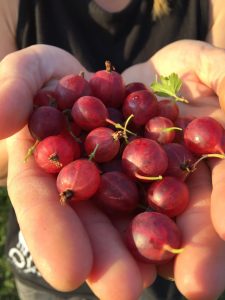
(199, 269)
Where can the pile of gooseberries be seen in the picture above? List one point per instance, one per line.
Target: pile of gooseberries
(125, 149)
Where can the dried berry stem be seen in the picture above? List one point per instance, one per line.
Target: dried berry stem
(66, 196)
(108, 66)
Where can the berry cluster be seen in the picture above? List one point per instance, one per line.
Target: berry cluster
(128, 152)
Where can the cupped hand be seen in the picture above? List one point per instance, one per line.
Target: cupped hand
(68, 246)
(199, 271)
(95, 251)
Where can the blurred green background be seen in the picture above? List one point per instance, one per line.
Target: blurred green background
(7, 285)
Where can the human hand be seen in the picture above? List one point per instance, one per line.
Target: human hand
(199, 271)
(68, 245)
(97, 265)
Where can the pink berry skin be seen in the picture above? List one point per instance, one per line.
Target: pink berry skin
(78, 181)
(134, 86)
(103, 138)
(169, 196)
(168, 109)
(180, 160)
(89, 112)
(70, 128)
(55, 152)
(156, 129)
(116, 116)
(45, 121)
(117, 193)
(45, 97)
(70, 88)
(204, 135)
(142, 104)
(108, 85)
(144, 157)
(182, 123)
(112, 165)
(149, 234)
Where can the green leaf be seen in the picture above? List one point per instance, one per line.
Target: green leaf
(168, 86)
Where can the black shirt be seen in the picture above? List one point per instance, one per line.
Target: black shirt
(93, 35)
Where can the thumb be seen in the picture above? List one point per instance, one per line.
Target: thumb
(22, 73)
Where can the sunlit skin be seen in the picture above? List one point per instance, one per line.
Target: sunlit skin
(90, 240)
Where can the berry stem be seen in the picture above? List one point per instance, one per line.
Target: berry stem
(215, 155)
(92, 155)
(143, 207)
(67, 113)
(54, 158)
(168, 129)
(148, 177)
(81, 74)
(65, 196)
(52, 101)
(180, 99)
(125, 127)
(31, 150)
(117, 135)
(172, 250)
(119, 126)
(108, 66)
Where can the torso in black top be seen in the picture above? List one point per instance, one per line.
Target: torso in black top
(93, 35)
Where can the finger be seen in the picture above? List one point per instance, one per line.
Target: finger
(115, 274)
(205, 63)
(22, 73)
(217, 197)
(148, 272)
(200, 268)
(54, 234)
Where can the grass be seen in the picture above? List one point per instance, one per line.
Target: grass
(7, 285)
